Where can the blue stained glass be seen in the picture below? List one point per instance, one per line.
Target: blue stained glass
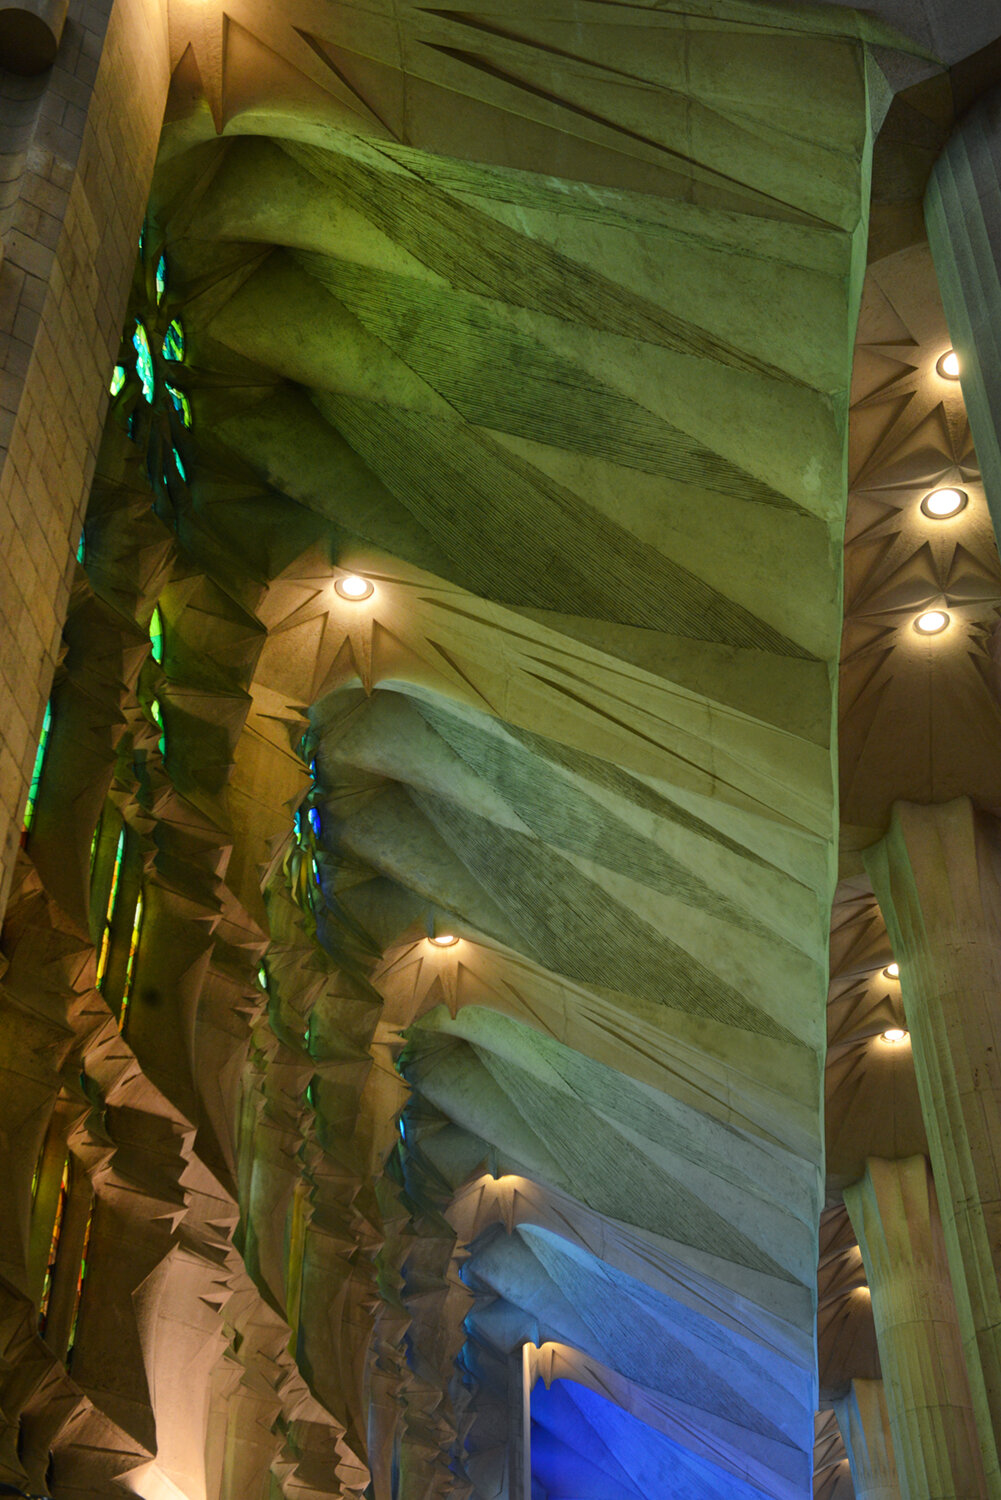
(161, 278)
(314, 820)
(144, 361)
(181, 404)
(179, 466)
(312, 768)
(174, 342)
(297, 826)
(316, 871)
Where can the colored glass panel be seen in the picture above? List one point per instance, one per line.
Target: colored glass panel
(181, 404)
(102, 957)
(156, 636)
(57, 1229)
(36, 775)
(81, 549)
(144, 361)
(117, 379)
(262, 977)
(137, 922)
(179, 466)
(80, 1279)
(174, 341)
(161, 278)
(314, 820)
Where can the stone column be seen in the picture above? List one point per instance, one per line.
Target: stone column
(895, 1215)
(864, 1422)
(963, 215)
(937, 877)
(76, 160)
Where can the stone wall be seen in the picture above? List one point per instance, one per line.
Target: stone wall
(77, 145)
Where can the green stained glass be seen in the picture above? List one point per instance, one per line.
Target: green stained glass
(173, 343)
(156, 635)
(161, 278)
(81, 548)
(102, 957)
(181, 404)
(117, 379)
(137, 922)
(144, 361)
(179, 466)
(36, 775)
(157, 712)
(262, 977)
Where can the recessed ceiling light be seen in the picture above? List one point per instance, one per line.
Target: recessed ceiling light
(932, 622)
(353, 587)
(948, 365)
(444, 940)
(941, 504)
(892, 971)
(894, 1034)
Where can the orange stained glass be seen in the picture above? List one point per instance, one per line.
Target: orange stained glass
(57, 1229)
(81, 1278)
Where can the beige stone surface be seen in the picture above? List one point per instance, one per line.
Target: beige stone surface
(895, 1215)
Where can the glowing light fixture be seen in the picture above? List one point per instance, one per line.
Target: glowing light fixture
(941, 504)
(444, 940)
(892, 971)
(948, 365)
(352, 586)
(932, 622)
(894, 1034)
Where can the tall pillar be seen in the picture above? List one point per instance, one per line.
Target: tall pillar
(864, 1422)
(895, 1215)
(963, 215)
(76, 160)
(937, 877)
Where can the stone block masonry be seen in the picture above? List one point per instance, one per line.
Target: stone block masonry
(77, 147)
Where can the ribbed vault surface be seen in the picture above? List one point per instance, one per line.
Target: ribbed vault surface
(546, 331)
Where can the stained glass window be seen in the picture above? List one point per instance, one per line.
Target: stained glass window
(156, 713)
(57, 1229)
(80, 1279)
(102, 957)
(314, 820)
(262, 977)
(161, 278)
(144, 361)
(117, 379)
(36, 775)
(81, 548)
(173, 343)
(181, 404)
(156, 636)
(137, 922)
(179, 466)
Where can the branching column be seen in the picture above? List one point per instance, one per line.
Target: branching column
(865, 1428)
(894, 1213)
(937, 877)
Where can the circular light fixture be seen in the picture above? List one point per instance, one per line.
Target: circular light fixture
(941, 504)
(892, 971)
(932, 622)
(894, 1034)
(948, 365)
(445, 940)
(353, 587)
